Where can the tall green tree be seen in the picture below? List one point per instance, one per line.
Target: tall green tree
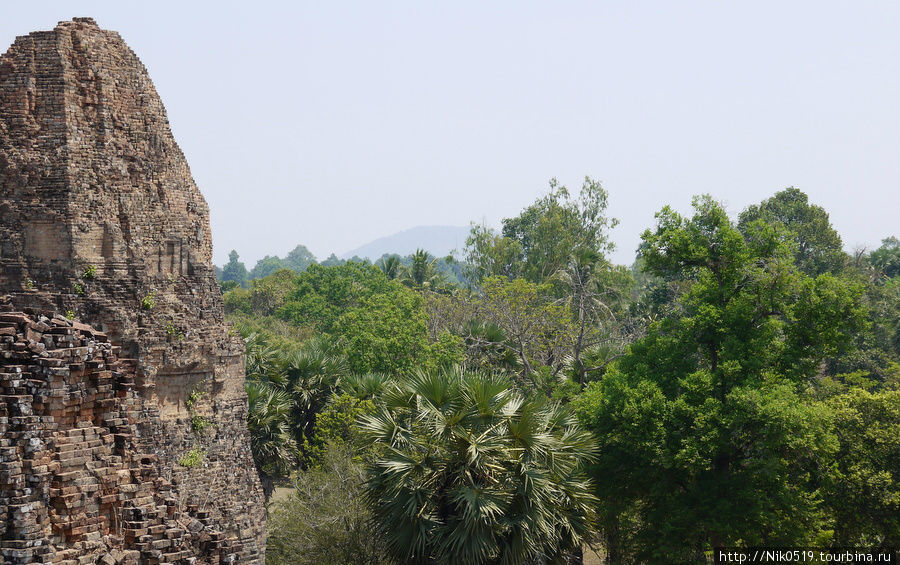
(385, 332)
(535, 326)
(863, 489)
(322, 294)
(817, 246)
(234, 269)
(379, 323)
(706, 436)
(299, 258)
(266, 266)
(557, 225)
(886, 259)
(539, 241)
(469, 472)
(489, 254)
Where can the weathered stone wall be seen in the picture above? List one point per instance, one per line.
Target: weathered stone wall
(80, 483)
(101, 220)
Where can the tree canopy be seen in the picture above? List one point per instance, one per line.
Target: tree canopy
(539, 241)
(816, 245)
(736, 386)
(705, 437)
(234, 270)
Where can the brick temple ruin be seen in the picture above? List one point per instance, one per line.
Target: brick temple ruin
(122, 408)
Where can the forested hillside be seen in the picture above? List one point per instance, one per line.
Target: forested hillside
(738, 385)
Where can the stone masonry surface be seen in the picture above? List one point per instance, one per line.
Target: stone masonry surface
(124, 434)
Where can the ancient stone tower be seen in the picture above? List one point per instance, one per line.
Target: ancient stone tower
(122, 408)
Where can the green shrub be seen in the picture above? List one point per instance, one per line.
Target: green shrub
(200, 423)
(192, 458)
(326, 519)
(148, 301)
(173, 331)
(336, 424)
(237, 301)
(195, 396)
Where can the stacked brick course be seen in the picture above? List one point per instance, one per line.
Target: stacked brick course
(101, 457)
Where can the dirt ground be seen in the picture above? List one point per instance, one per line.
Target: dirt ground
(592, 558)
(281, 493)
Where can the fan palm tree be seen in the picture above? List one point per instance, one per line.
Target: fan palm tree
(487, 348)
(470, 472)
(364, 387)
(309, 376)
(269, 423)
(262, 358)
(391, 266)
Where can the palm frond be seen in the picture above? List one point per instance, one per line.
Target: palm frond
(468, 471)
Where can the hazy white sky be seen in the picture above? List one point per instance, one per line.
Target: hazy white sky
(331, 123)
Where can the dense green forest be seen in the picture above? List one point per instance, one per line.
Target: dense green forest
(738, 385)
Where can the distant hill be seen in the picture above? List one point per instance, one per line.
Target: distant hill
(437, 240)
